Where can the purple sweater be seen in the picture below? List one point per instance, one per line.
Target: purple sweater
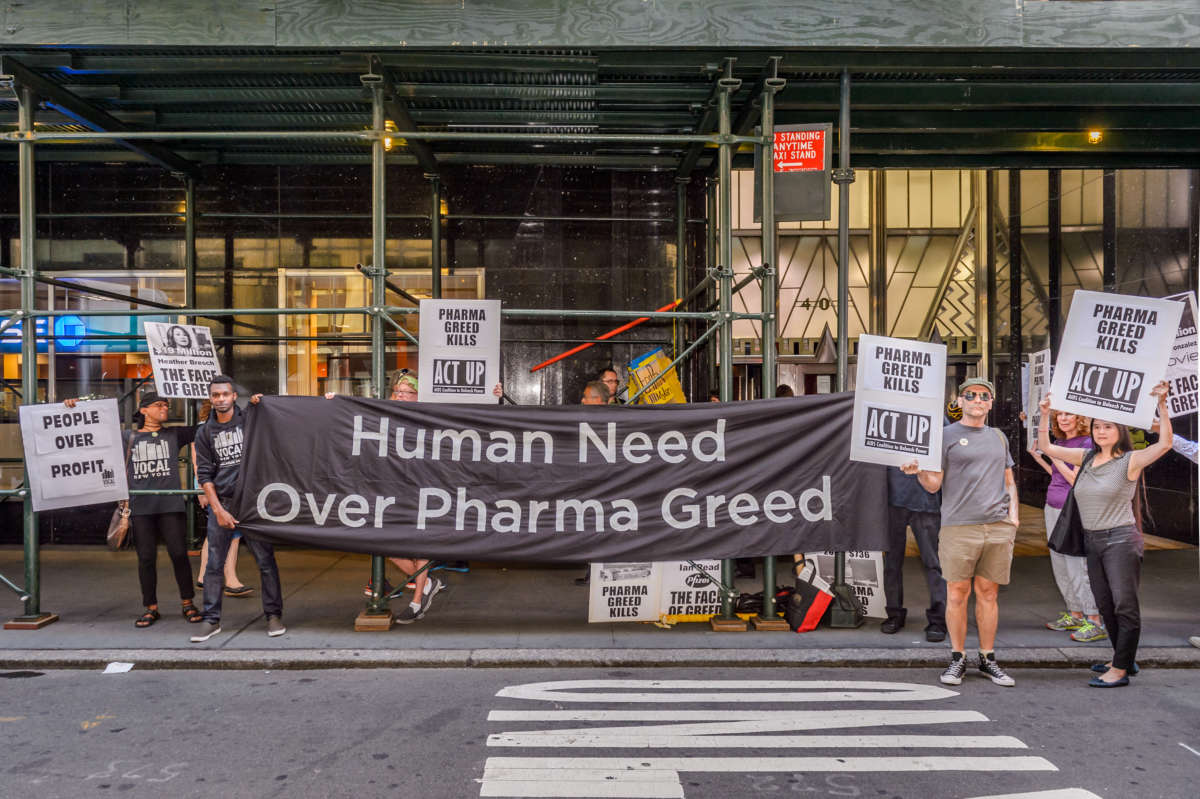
(1056, 494)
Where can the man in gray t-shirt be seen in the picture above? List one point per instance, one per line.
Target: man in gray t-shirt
(979, 525)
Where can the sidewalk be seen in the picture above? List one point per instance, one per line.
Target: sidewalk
(496, 616)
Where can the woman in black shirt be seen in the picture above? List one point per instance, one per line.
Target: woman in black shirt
(152, 462)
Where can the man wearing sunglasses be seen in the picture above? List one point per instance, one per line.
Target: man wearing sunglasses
(979, 526)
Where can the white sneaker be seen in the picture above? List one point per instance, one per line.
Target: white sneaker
(991, 669)
(954, 672)
(207, 630)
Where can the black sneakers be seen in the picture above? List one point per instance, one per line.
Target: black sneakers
(954, 672)
(989, 668)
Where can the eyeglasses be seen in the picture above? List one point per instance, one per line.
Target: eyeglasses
(982, 396)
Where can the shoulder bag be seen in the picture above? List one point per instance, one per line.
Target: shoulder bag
(1068, 536)
(118, 525)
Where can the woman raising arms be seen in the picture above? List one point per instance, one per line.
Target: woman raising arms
(1111, 513)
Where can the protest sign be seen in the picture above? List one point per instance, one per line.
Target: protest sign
(673, 591)
(183, 357)
(864, 574)
(666, 391)
(459, 351)
(1181, 366)
(1114, 349)
(898, 402)
(553, 484)
(74, 456)
(1040, 369)
(623, 592)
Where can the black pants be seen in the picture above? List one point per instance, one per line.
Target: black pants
(1114, 559)
(172, 529)
(925, 528)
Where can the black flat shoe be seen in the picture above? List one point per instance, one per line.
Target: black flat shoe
(892, 626)
(935, 635)
(1096, 682)
(1101, 668)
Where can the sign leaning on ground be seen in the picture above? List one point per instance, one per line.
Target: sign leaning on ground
(74, 456)
(1182, 365)
(460, 351)
(184, 359)
(864, 574)
(673, 591)
(898, 402)
(1040, 369)
(571, 483)
(1114, 349)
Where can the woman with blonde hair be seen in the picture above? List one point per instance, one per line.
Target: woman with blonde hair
(1110, 512)
(1082, 617)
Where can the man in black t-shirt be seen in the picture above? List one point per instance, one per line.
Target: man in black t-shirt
(218, 462)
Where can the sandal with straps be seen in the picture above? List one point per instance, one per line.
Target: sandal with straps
(192, 614)
(147, 618)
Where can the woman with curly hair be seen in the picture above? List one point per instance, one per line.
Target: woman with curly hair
(1082, 617)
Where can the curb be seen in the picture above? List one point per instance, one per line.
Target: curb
(308, 659)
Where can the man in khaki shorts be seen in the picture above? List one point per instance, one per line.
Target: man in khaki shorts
(979, 526)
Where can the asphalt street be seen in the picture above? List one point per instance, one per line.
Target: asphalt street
(692, 733)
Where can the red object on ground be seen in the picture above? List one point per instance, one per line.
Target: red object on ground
(607, 335)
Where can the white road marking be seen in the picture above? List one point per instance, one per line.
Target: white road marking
(629, 738)
(1190, 749)
(770, 719)
(719, 691)
(540, 786)
(1061, 793)
(556, 767)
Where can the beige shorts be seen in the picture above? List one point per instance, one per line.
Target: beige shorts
(983, 550)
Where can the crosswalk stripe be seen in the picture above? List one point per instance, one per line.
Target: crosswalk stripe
(558, 765)
(726, 691)
(627, 737)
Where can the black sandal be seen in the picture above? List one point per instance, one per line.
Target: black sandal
(147, 618)
(192, 614)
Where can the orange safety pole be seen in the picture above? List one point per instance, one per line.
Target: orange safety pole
(669, 306)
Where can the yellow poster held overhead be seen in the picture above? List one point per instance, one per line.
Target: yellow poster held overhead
(666, 390)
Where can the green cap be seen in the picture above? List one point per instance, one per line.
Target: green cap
(976, 381)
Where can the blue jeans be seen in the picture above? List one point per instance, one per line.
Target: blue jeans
(219, 539)
(1114, 559)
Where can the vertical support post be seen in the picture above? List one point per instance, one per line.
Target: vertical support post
(1109, 192)
(1054, 259)
(678, 326)
(710, 260)
(1193, 261)
(727, 86)
(878, 246)
(984, 283)
(767, 620)
(435, 235)
(33, 617)
(377, 615)
(846, 610)
(1015, 282)
(189, 302)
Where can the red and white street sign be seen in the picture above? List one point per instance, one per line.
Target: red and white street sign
(799, 150)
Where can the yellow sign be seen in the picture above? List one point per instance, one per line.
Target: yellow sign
(666, 390)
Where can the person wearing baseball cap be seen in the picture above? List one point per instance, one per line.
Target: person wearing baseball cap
(152, 463)
(979, 525)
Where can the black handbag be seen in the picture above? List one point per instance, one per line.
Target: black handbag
(1067, 538)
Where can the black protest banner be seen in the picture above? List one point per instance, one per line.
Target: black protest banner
(577, 483)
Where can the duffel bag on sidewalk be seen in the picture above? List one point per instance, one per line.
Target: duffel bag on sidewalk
(808, 602)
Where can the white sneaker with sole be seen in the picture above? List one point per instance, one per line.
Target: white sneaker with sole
(207, 630)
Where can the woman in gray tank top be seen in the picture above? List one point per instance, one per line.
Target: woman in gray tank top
(1106, 493)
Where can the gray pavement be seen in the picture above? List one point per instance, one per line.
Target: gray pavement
(496, 616)
(684, 733)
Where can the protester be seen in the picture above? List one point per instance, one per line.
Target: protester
(1082, 617)
(152, 463)
(980, 515)
(595, 393)
(612, 382)
(218, 464)
(784, 390)
(234, 587)
(910, 505)
(1110, 510)
(424, 585)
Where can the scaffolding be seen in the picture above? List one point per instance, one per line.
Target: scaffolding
(716, 322)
